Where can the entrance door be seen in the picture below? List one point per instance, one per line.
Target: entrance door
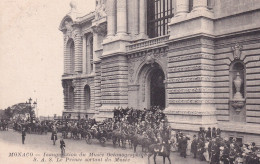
(157, 88)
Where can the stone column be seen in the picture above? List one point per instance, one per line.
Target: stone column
(182, 7)
(143, 17)
(200, 5)
(136, 17)
(78, 52)
(111, 17)
(121, 17)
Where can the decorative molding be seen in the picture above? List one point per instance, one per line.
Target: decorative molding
(191, 101)
(114, 101)
(189, 79)
(114, 93)
(191, 90)
(115, 68)
(194, 113)
(114, 77)
(191, 68)
(147, 43)
(189, 57)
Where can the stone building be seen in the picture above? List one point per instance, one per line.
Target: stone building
(199, 59)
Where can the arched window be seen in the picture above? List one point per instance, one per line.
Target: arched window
(89, 54)
(87, 96)
(71, 53)
(71, 97)
(158, 16)
(237, 80)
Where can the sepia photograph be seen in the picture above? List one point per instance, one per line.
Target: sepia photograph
(130, 81)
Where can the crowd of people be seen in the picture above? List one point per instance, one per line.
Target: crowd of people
(208, 145)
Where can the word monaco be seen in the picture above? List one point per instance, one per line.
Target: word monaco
(20, 154)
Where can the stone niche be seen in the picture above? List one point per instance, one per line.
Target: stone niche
(237, 101)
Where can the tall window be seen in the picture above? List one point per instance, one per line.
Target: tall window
(71, 51)
(89, 54)
(71, 97)
(87, 96)
(158, 16)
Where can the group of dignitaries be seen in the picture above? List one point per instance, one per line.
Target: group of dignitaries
(209, 146)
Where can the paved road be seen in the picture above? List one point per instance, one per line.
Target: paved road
(39, 149)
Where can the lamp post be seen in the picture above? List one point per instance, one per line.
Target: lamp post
(31, 106)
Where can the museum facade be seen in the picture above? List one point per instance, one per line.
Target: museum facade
(198, 59)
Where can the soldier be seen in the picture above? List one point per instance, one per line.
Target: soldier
(23, 135)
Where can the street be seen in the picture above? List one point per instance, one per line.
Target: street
(39, 149)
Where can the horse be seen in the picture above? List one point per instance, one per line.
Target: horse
(163, 150)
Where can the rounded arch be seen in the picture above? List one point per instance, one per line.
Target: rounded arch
(151, 78)
(87, 96)
(143, 66)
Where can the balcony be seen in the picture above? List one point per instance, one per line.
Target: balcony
(154, 42)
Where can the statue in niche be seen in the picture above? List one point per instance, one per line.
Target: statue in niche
(237, 84)
(100, 9)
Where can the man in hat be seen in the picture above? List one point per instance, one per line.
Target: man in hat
(194, 145)
(23, 135)
(62, 146)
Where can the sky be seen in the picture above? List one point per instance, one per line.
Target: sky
(31, 52)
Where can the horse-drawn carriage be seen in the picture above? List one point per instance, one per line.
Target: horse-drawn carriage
(98, 132)
(35, 128)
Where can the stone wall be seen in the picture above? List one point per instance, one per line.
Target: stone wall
(250, 56)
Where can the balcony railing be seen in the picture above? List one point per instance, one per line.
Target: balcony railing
(147, 43)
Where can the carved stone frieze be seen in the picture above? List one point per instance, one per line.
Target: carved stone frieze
(188, 57)
(191, 68)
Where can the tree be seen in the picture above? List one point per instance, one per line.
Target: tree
(9, 112)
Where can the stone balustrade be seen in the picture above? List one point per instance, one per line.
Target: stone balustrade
(147, 43)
